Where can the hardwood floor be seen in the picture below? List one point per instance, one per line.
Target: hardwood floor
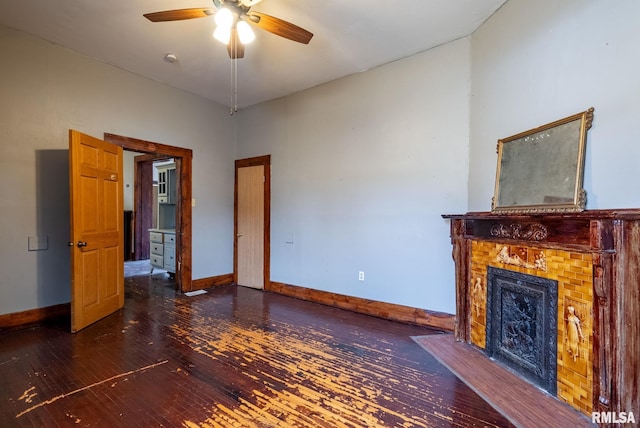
(234, 357)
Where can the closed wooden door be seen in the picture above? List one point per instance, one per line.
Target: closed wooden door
(97, 238)
(250, 226)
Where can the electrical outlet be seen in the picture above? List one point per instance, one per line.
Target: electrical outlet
(361, 276)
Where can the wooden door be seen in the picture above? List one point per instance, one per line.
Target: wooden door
(97, 238)
(250, 226)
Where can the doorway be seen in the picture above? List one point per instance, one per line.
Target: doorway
(252, 215)
(154, 211)
(144, 198)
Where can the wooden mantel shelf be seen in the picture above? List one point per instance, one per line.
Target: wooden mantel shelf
(594, 214)
(611, 238)
(586, 230)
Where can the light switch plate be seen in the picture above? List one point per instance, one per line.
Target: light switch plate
(38, 243)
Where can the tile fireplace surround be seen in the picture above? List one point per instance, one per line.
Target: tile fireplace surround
(594, 256)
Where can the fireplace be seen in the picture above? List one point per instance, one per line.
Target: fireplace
(594, 256)
(521, 328)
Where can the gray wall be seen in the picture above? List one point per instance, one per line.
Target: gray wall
(536, 62)
(362, 169)
(45, 91)
(362, 166)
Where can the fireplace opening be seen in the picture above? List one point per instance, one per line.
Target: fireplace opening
(521, 328)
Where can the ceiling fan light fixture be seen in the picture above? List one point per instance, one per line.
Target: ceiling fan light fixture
(245, 33)
(222, 34)
(224, 18)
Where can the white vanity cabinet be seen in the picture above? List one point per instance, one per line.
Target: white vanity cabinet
(163, 249)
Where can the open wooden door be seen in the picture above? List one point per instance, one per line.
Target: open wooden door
(97, 238)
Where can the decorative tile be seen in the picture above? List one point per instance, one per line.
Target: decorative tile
(574, 273)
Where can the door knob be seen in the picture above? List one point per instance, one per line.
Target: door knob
(82, 244)
(239, 235)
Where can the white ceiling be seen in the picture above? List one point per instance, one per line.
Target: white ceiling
(350, 36)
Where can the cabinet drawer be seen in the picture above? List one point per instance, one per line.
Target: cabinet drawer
(155, 237)
(163, 199)
(169, 238)
(157, 261)
(157, 249)
(170, 257)
(169, 262)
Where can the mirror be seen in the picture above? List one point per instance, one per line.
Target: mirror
(541, 170)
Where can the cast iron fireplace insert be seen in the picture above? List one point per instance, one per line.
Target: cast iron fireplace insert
(521, 327)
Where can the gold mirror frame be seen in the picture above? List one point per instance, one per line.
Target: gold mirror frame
(542, 170)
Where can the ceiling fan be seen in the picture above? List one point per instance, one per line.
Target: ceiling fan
(232, 28)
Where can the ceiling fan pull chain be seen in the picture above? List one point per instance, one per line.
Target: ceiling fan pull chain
(235, 80)
(230, 89)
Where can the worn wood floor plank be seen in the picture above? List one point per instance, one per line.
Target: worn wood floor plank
(231, 357)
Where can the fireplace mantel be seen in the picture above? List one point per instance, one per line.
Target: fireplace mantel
(609, 241)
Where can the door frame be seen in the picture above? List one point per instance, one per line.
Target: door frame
(184, 160)
(241, 163)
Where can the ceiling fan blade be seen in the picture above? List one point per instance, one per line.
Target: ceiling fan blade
(179, 14)
(280, 27)
(234, 47)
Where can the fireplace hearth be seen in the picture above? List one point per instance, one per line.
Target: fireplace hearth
(521, 328)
